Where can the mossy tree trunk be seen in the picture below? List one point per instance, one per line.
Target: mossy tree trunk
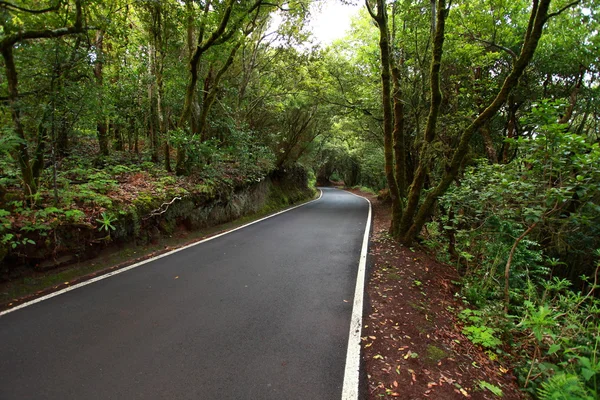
(538, 18)
(21, 152)
(408, 222)
(223, 33)
(212, 90)
(202, 46)
(418, 182)
(381, 18)
(101, 125)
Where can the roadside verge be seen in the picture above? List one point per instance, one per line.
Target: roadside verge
(104, 273)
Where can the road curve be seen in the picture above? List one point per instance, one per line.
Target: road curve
(260, 313)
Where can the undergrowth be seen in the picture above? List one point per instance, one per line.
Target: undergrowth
(523, 236)
(99, 200)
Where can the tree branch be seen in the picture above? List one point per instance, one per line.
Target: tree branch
(370, 10)
(565, 8)
(4, 99)
(9, 6)
(499, 47)
(162, 209)
(532, 18)
(237, 24)
(11, 40)
(509, 262)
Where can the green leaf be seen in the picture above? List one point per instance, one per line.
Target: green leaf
(553, 349)
(492, 388)
(587, 373)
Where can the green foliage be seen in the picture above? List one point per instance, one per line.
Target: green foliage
(477, 330)
(564, 386)
(282, 102)
(106, 223)
(539, 321)
(553, 314)
(495, 390)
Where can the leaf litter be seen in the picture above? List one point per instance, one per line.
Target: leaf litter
(412, 345)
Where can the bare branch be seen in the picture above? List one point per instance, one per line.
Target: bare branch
(162, 209)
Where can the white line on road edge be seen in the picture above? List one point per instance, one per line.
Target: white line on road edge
(108, 275)
(351, 373)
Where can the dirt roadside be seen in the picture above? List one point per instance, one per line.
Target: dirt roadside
(412, 343)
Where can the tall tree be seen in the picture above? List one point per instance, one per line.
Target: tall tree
(381, 19)
(224, 31)
(539, 16)
(419, 207)
(13, 35)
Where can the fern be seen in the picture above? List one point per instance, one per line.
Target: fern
(492, 388)
(564, 387)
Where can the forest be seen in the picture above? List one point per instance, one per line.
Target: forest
(478, 121)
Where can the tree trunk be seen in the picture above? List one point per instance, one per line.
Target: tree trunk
(434, 108)
(573, 97)
(399, 135)
(7, 43)
(101, 126)
(118, 136)
(190, 100)
(381, 19)
(158, 63)
(152, 119)
(42, 137)
(399, 148)
(211, 95)
(62, 139)
(538, 18)
(511, 129)
(216, 37)
(488, 143)
(21, 151)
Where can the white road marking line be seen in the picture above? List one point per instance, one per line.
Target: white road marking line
(119, 271)
(351, 372)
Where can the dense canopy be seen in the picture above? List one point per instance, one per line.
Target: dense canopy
(479, 121)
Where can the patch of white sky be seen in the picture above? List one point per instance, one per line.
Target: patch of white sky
(329, 19)
(332, 19)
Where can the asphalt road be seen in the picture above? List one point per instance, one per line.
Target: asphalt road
(261, 313)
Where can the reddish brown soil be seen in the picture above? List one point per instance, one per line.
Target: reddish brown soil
(412, 343)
